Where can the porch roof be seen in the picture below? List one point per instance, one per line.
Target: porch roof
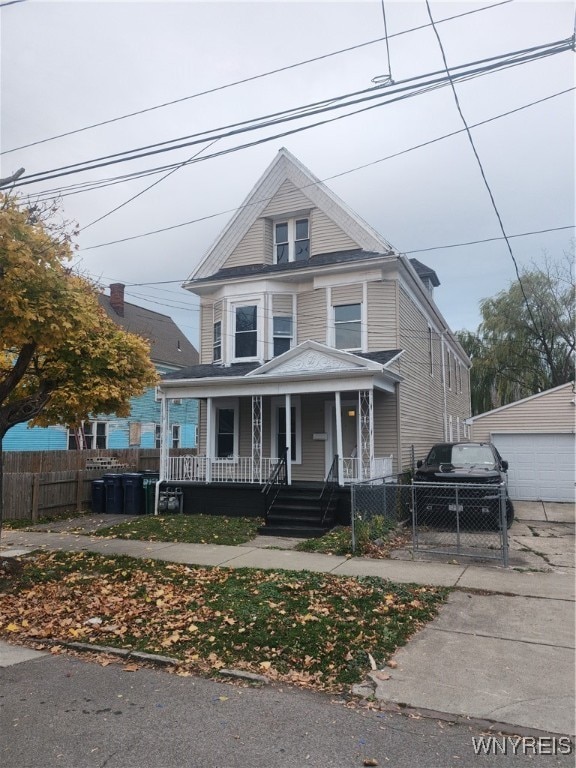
(309, 367)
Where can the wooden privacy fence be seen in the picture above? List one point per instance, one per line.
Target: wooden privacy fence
(31, 495)
(51, 483)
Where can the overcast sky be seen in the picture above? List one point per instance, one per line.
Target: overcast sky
(68, 65)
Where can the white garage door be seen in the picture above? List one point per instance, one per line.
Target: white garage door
(541, 465)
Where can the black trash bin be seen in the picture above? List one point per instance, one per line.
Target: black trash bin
(98, 497)
(133, 493)
(149, 480)
(114, 493)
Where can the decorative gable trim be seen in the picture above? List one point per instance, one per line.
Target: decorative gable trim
(311, 356)
(286, 167)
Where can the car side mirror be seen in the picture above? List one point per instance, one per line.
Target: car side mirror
(419, 463)
(504, 465)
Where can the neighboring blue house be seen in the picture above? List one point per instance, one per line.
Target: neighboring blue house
(170, 351)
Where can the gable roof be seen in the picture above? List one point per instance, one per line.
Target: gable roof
(168, 344)
(286, 167)
(569, 384)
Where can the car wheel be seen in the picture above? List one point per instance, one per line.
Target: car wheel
(509, 513)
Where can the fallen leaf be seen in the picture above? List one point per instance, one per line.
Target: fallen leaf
(131, 668)
(392, 664)
(373, 664)
(370, 761)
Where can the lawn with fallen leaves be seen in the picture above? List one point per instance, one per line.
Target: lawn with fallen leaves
(189, 529)
(310, 629)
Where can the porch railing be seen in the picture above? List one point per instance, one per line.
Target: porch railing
(278, 477)
(330, 485)
(243, 469)
(354, 469)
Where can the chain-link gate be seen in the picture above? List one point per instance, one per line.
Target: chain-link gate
(457, 519)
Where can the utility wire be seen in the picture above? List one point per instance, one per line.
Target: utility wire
(385, 79)
(155, 183)
(338, 102)
(482, 172)
(246, 79)
(329, 178)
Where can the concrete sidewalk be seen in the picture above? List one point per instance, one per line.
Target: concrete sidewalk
(507, 656)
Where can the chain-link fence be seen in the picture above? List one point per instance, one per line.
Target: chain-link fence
(457, 519)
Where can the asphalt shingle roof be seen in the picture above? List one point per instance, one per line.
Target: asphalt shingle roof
(168, 344)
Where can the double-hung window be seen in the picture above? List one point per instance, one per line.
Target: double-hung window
(93, 434)
(217, 341)
(225, 432)
(282, 334)
(291, 240)
(246, 331)
(348, 326)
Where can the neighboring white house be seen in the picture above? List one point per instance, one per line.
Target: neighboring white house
(536, 437)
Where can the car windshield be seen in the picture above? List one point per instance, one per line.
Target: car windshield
(462, 455)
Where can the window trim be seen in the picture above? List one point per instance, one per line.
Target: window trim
(175, 430)
(225, 404)
(282, 336)
(291, 225)
(217, 341)
(361, 324)
(431, 350)
(247, 301)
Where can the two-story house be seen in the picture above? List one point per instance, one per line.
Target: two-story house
(319, 340)
(170, 351)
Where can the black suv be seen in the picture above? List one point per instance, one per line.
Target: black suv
(477, 463)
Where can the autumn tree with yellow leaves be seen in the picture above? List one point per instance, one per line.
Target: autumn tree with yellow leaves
(61, 357)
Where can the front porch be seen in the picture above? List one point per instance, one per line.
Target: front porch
(247, 470)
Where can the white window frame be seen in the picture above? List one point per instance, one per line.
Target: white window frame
(176, 436)
(227, 404)
(93, 434)
(248, 301)
(448, 370)
(216, 342)
(291, 242)
(431, 349)
(275, 404)
(157, 435)
(362, 324)
(282, 336)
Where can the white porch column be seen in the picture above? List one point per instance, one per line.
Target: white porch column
(339, 448)
(209, 438)
(164, 423)
(257, 438)
(289, 439)
(366, 452)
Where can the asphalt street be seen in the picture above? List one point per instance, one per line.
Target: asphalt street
(65, 712)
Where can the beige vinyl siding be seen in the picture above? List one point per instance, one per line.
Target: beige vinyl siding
(382, 316)
(346, 294)
(311, 316)
(289, 199)
(207, 332)
(326, 236)
(245, 427)
(421, 395)
(268, 242)
(282, 304)
(313, 466)
(550, 412)
(385, 426)
(251, 249)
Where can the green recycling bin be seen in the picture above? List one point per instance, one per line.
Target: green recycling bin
(149, 480)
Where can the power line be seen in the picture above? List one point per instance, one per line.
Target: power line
(12, 2)
(246, 79)
(333, 176)
(462, 71)
(139, 194)
(481, 167)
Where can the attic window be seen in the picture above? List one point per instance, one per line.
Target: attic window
(291, 241)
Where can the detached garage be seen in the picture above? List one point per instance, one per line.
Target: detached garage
(536, 437)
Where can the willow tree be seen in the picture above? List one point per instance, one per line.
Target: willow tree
(526, 341)
(61, 357)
